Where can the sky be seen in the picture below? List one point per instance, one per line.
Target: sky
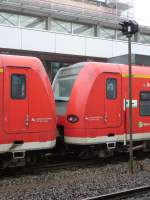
(142, 11)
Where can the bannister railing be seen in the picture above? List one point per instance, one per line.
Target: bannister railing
(66, 7)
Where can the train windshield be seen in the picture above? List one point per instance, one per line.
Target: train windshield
(64, 81)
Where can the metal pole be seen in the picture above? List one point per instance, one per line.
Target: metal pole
(129, 28)
(130, 105)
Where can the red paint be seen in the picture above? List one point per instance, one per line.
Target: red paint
(98, 115)
(37, 108)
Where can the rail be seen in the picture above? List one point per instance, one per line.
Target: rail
(122, 194)
(39, 168)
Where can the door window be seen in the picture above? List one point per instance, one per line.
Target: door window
(111, 88)
(18, 86)
(145, 103)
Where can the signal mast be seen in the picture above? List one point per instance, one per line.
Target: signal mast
(130, 28)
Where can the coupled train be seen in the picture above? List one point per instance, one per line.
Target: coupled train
(88, 113)
(93, 107)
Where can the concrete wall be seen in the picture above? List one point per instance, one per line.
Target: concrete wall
(44, 41)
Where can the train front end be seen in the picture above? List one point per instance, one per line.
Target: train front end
(89, 103)
(27, 117)
(68, 108)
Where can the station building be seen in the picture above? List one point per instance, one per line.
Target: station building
(61, 32)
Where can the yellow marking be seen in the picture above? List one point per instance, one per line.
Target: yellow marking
(136, 76)
(1, 70)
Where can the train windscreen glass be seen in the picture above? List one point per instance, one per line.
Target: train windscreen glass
(63, 88)
(64, 81)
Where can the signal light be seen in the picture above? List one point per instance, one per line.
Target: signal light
(129, 27)
(72, 118)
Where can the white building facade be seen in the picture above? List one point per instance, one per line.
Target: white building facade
(68, 31)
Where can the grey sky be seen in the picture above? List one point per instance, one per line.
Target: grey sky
(142, 11)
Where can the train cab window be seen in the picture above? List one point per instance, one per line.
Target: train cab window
(145, 103)
(111, 88)
(18, 86)
(65, 86)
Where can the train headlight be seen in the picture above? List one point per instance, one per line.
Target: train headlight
(72, 118)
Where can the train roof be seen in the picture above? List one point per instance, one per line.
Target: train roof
(111, 67)
(19, 61)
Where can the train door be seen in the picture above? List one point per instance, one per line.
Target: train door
(112, 115)
(104, 104)
(16, 100)
(140, 108)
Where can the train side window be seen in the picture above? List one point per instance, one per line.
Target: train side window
(145, 103)
(111, 88)
(18, 86)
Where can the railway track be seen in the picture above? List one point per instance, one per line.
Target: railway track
(122, 194)
(64, 165)
(61, 165)
(72, 165)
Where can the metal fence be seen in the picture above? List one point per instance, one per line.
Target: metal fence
(67, 8)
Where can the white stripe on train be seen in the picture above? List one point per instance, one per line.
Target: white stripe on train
(27, 146)
(105, 139)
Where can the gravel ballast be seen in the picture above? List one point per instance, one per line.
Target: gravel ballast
(76, 183)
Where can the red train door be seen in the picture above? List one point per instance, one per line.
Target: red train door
(106, 101)
(16, 100)
(140, 108)
(113, 101)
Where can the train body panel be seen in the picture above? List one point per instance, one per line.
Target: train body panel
(27, 117)
(97, 108)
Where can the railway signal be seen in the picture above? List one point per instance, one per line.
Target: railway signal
(130, 28)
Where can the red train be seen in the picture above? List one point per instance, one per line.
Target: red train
(93, 104)
(27, 117)
(92, 109)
